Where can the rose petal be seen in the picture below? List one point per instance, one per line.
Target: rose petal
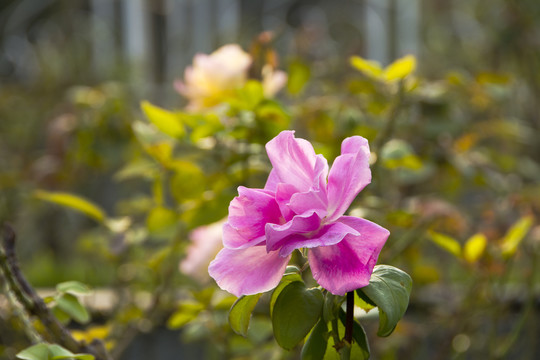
(284, 192)
(326, 236)
(301, 203)
(349, 174)
(248, 271)
(272, 181)
(348, 265)
(248, 214)
(296, 163)
(277, 235)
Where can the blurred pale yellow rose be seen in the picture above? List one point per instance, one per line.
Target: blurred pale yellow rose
(206, 242)
(215, 77)
(272, 80)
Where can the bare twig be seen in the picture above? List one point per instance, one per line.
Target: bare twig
(34, 305)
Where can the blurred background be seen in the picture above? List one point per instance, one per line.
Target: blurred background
(457, 177)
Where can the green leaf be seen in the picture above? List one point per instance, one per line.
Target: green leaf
(515, 235)
(361, 351)
(329, 307)
(389, 288)
(299, 74)
(296, 311)
(446, 242)
(36, 352)
(240, 313)
(61, 315)
(45, 351)
(138, 168)
(315, 346)
(73, 288)
(249, 96)
(400, 69)
(75, 356)
(71, 306)
(74, 202)
(167, 122)
(363, 302)
(161, 222)
(188, 182)
(286, 280)
(397, 153)
(57, 352)
(186, 313)
(368, 67)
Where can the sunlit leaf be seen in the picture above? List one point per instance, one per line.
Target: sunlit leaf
(446, 242)
(161, 152)
(161, 221)
(315, 345)
(296, 311)
(493, 78)
(73, 288)
(188, 181)
(357, 350)
(91, 333)
(167, 122)
(249, 96)
(71, 306)
(240, 313)
(515, 235)
(61, 315)
(140, 168)
(36, 352)
(368, 67)
(46, 351)
(360, 338)
(74, 202)
(398, 153)
(400, 68)
(474, 247)
(187, 312)
(389, 288)
(298, 76)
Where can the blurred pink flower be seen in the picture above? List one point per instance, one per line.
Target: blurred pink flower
(301, 206)
(206, 241)
(215, 77)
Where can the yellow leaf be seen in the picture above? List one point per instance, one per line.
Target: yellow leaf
(493, 78)
(368, 67)
(91, 333)
(161, 152)
(74, 202)
(167, 122)
(400, 68)
(161, 222)
(446, 242)
(515, 235)
(474, 247)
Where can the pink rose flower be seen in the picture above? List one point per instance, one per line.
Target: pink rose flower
(206, 241)
(301, 206)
